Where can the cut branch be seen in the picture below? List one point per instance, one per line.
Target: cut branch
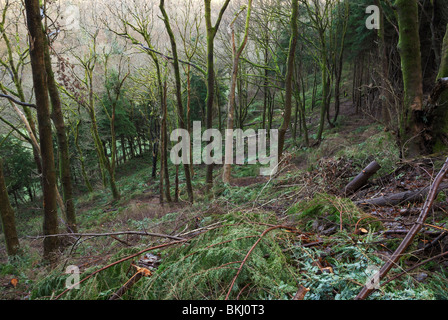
(402, 197)
(361, 179)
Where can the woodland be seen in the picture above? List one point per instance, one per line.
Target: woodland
(353, 92)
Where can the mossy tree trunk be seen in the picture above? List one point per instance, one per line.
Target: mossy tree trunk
(440, 116)
(180, 108)
(289, 78)
(37, 54)
(443, 70)
(64, 157)
(7, 217)
(211, 34)
(411, 126)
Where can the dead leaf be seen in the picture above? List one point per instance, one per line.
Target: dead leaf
(14, 282)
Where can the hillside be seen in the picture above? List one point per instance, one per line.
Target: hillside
(258, 238)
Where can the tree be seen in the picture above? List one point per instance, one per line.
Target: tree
(231, 102)
(180, 108)
(289, 78)
(411, 67)
(14, 62)
(211, 34)
(139, 23)
(59, 124)
(320, 20)
(440, 122)
(7, 217)
(37, 54)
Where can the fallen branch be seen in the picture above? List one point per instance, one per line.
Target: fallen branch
(418, 225)
(361, 179)
(140, 233)
(402, 197)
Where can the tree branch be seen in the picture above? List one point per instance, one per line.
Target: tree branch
(17, 101)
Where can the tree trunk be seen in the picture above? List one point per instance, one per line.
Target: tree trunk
(164, 157)
(409, 48)
(7, 216)
(180, 109)
(37, 52)
(211, 33)
(231, 103)
(64, 156)
(440, 125)
(289, 78)
(385, 96)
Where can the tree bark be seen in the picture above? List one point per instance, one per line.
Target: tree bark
(7, 217)
(50, 225)
(439, 98)
(361, 179)
(211, 34)
(64, 157)
(411, 67)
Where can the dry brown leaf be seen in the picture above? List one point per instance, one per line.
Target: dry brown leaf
(14, 282)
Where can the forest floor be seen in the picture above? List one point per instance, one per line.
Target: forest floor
(326, 245)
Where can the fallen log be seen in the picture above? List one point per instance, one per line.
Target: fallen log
(361, 179)
(400, 198)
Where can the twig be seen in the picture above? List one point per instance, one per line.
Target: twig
(418, 225)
